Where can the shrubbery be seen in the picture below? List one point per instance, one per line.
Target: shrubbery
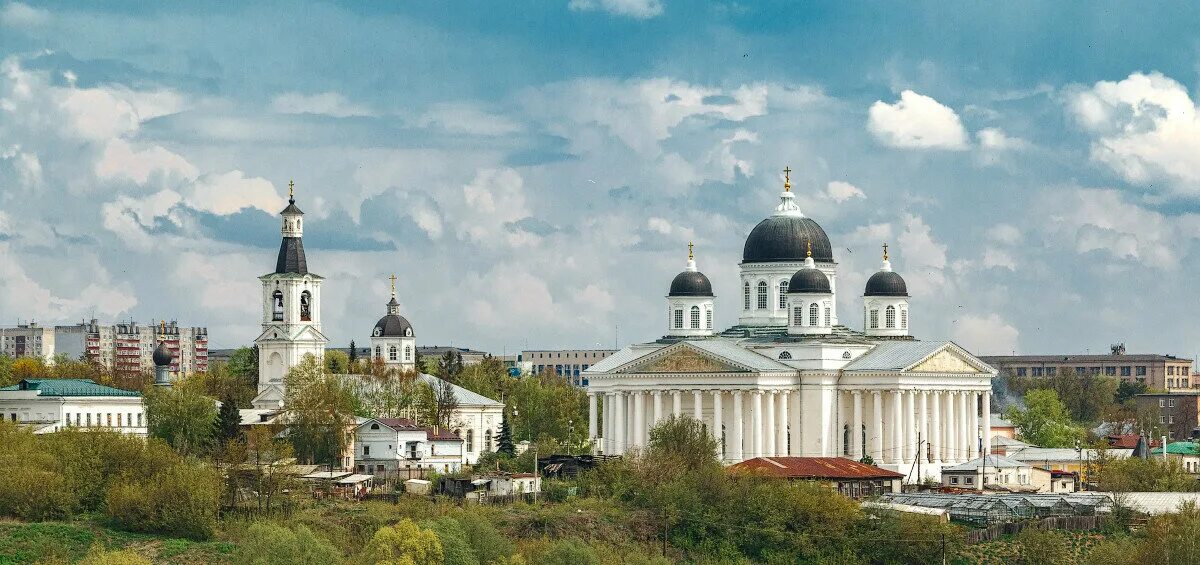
(272, 544)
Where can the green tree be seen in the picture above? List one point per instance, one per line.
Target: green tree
(683, 440)
(244, 363)
(437, 404)
(1127, 390)
(456, 549)
(319, 410)
(180, 500)
(405, 542)
(569, 552)
(1044, 421)
(353, 354)
(229, 421)
(1049, 547)
(274, 544)
(505, 440)
(450, 365)
(7, 378)
(337, 362)
(185, 419)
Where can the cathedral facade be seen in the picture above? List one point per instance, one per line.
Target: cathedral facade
(789, 379)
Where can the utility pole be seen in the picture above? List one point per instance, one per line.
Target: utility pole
(943, 549)
(920, 456)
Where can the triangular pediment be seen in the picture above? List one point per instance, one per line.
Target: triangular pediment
(681, 358)
(270, 397)
(948, 360)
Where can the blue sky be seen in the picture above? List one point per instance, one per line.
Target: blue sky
(533, 171)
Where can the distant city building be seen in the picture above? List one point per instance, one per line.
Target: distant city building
(569, 363)
(27, 340)
(1179, 412)
(50, 405)
(1156, 371)
(469, 356)
(126, 347)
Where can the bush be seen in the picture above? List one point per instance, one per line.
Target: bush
(456, 550)
(1044, 547)
(181, 501)
(569, 552)
(406, 542)
(486, 542)
(272, 544)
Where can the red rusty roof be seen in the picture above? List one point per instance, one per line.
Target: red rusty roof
(1128, 441)
(815, 468)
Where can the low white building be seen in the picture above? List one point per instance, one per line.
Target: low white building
(383, 445)
(996, 472)
(49, 405)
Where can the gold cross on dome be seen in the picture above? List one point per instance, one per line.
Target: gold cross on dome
(393, 277)
(885, 252)
(690, 256)
(787, 178)
(291, 190)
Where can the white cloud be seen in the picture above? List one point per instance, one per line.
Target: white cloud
(638, 9)
(995, 139)
(491, 201)
(130, 218)
(840, 191)
(225, 282)
(993, 257)
(17, 14)
(227, 193)
(324, 103)
(916, 122)
(666, 228)
(986, 335)
(1004, 233)
(1145, 128)
(121, 160)
(918, 246)
(467, 118)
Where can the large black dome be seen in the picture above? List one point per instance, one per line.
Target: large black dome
(809, 279)
(690, 283)
(886, 283)
(392, 325)
(162, 355)
(786, 238)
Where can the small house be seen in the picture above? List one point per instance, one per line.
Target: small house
(849, 477)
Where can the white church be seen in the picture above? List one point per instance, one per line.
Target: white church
(291, 329)
(789, 379)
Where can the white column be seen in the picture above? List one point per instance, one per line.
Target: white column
(658, 413)
(756, 426)
(630, 428)
(718, 429)
(876, 427)
(964, 405)
(768, 443)
(619, 438)
(910, 416)
(735, 447)
(697, 406)
(676, 403)
(605, 424)
(935, 427)
(897, 428)
(781, 424)
(796, 423)
(593, 416)
(973, 407)
(987, 421)
(856, 427)
(948, 428)
(923, 425)
(639, 419)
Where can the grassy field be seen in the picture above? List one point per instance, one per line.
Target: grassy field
(67, 542)
(1007, 550)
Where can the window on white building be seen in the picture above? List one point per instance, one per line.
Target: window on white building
(695, 317)
(708, 317)
(678, 318)
(408, 353)
(904, 318)
(305, 306)
(798, 316)
(890, 317)
(783, 287)
(277, 300)
(814, 313)
(470, 440)
(874, 321)
(393, 354)
(828, 317)
(762, 295)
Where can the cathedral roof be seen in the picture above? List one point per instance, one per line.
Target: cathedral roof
(291, 257)
(809, 280)
(783, 238)
(886, 283)
(691, 283)
(162, 355)
(292, 208)
(393, 325)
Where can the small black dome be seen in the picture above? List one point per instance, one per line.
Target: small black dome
(392, 325)
(886, 283)
(786, 238)
(162, 355)
(809, 279)
(690, 283)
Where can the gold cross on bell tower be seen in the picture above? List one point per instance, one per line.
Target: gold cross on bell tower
(885, 252)
(690, 256)
(787, 179)
(291, 190)
(393, 277)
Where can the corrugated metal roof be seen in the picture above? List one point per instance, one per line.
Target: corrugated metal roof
(894, 355)
(993, 462)
(69, 387)
(740, 355)
(464, 396)
(815, 468)
(1035, 455)
(1178, 448)
(625, 355)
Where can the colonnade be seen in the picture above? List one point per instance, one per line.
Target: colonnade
(895, 426)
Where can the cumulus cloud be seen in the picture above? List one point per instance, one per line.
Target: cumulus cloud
(637, 9)
(323, 103)
(20, 15)
(467, 118)
(840, 191)
(1145, 128)
(492, 201)
(226, 193)
(995, 139)
(916, 121)
(993, 257)
(986, 335)
(1004, 233)
(122, 160)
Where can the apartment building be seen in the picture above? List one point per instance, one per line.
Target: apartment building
(123, 347)
(27, 340)
(1179, 412)
(1159, 372)
(568, 363)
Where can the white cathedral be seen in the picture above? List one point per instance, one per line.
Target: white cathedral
(789, 379)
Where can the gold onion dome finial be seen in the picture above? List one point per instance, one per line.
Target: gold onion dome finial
(809, 248)
(787, 179)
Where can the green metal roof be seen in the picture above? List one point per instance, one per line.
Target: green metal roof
(1178, 448)
(69, 387)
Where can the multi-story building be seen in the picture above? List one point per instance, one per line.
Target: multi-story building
(569, 363)
(27, 340)
(1179, 412)
(49, 405)
(129, 346)
(1159, 372)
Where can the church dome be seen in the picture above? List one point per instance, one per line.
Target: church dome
(392, 325)
(783, 238)
(162, 355)
(809, 280)
(886, 283)
(690, 283)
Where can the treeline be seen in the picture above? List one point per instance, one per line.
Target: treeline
(137, 485)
